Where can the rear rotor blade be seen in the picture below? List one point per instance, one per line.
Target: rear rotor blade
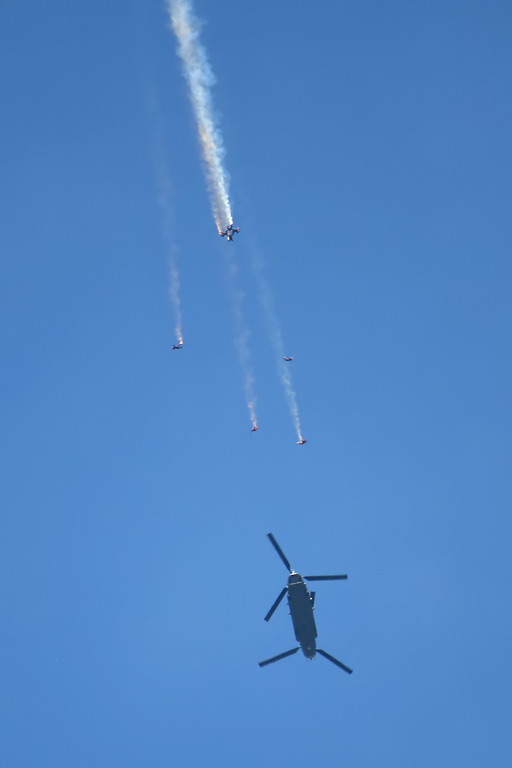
(280, 552)
(280, 597)
(327, 578)
(334, 661)
(278, 658)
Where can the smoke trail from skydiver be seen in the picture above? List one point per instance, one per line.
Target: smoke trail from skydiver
(276, 339)
(174, 275)
(242, 339)
(200, 79)
(165, 204)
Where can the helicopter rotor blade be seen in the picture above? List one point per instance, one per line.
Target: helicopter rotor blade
(326, 578)
(280, 552)
(334, 661)
(280, 597)
(279, 657)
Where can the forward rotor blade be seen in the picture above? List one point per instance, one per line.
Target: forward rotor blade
(334, 661)
(327, 578)
(278, 658)
(280, 552)
(280, 597)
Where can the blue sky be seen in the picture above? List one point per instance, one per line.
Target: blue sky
(368, 146)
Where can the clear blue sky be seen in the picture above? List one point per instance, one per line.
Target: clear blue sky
(369, 148)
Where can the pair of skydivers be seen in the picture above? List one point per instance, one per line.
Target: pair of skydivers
(256, 427)
(299, 442)
(302, 439)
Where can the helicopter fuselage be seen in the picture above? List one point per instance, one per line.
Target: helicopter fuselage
(300, 602)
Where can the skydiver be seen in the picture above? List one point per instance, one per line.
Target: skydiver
(230, 231)
(179, 345)
(255, 428)
(301, 441)
(288, 359)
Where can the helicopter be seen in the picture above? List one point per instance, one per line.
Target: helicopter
(302, 603)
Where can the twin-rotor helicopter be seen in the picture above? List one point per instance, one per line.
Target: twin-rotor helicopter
(301, 603)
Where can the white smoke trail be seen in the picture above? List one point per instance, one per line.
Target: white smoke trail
(200, 79)
(165, 204)
(242, 339)
(174, 275)
(276, 339)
